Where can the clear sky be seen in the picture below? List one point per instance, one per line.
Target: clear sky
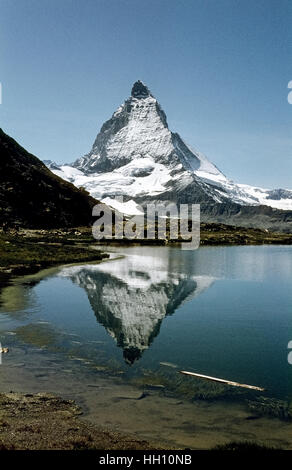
(219, 68)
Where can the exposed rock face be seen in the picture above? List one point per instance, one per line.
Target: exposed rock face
(31, 195)
(278, 194)
(140, 90)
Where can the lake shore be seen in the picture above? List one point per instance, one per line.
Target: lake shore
(44, 421)
(48, 421)
(81, 411)
(28, 251)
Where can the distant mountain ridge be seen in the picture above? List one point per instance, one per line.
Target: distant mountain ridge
(32, 196)
(136, 156)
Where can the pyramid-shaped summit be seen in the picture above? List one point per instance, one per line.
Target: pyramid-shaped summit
(139, 90)
(136, 155)
(138, 129)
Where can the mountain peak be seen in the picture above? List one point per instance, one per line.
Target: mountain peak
(139, 90)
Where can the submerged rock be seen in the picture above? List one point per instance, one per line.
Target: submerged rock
(271, 407)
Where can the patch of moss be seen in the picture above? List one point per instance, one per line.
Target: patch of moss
(264, 406)
(36, 335)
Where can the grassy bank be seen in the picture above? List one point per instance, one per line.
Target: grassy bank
(221, 234)
(27, 252)
(218, 234)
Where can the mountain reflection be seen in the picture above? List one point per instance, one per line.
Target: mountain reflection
(131, 296)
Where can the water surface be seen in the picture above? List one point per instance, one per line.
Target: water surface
(220, 311)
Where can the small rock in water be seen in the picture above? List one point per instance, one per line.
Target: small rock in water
(143, 395)
(100, 368)
(4, 350)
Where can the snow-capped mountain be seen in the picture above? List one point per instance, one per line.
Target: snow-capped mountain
(136, 155)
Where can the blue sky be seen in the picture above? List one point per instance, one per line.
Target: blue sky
(219, 68)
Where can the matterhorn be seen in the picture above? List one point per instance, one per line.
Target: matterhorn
(135, 155)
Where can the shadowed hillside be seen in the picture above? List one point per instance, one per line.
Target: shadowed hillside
(32, 196)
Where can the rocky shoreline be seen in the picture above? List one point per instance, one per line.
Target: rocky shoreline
(44, 421)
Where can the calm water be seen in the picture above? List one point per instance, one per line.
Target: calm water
(220, 311)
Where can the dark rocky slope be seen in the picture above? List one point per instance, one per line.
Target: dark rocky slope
(32, 196)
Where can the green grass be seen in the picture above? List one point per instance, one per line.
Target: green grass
(19, 253)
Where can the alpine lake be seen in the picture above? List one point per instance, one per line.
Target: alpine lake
(115, 335)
